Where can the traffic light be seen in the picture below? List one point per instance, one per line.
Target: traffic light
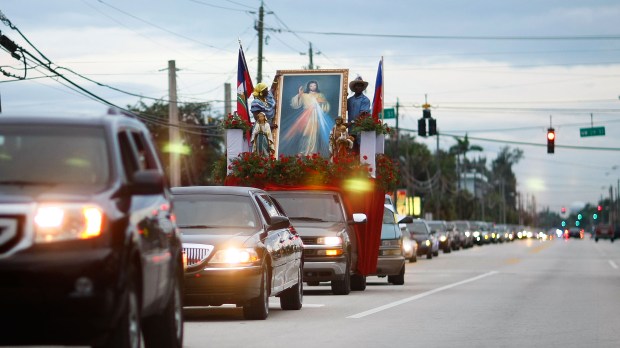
(599, 208)
(550, 140)
(579, 216)
(426, 113)
(432, 126)
(563, 223)
(563, 210)
(422, 127)
(595, 216)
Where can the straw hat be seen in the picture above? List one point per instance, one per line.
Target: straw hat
(357, 80)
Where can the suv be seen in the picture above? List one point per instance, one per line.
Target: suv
(330, 242)
(89, 251)
(604, 231)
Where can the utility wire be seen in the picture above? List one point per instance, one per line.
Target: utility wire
(454, 37)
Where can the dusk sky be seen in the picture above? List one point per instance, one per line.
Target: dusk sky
(500, 71)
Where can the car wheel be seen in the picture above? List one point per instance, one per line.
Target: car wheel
(293, 298)
(343, 287)
(166, 329)
(258, 308)
(429, 254)
(398, 279)
(413, 258)
(358, 282)
(436, 253)
(127, 332)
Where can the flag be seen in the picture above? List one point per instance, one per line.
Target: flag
(244, 88)
(377, 101)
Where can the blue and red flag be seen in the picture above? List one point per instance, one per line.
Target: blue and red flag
(244, 87)
(377, 101)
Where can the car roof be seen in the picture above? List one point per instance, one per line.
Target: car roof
(108, 120)
(234, 190)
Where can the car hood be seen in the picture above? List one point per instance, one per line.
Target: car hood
(218, 237)
(312, 229)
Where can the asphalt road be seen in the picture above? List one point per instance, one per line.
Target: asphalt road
(523, 294)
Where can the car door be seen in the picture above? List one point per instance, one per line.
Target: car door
(276, 242)
(146, 214)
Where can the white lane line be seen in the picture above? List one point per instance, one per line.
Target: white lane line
(418, 296)
(613, 264)
(312, 305)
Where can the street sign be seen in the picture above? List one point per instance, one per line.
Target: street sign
(389, 113)
(592, 131)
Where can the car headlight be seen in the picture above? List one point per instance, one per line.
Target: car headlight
(332, 241)
(443, 238)
(476, 234)
(62, 222)
(235, 256)
(427, 242)
(467, 233)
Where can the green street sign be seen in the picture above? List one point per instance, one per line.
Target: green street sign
(389, 113)
(592, 131)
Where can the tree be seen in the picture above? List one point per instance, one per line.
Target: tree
(504, 182)
(199, 133)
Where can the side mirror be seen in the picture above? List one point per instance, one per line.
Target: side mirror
(147, 182)
(406, 220)
(278, 222)
(359, 218)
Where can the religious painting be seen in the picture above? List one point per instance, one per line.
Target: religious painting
(307, 104)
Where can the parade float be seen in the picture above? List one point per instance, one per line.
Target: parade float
(303, 151)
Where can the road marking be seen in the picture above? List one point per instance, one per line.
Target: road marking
(613, 264)
(418, 296)
(312, 305)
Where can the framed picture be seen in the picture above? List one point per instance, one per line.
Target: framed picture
(307, 104)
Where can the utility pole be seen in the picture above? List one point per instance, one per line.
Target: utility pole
(227, 99)
(395, 152)
(260, 28)
(173, 130)
(310, 57)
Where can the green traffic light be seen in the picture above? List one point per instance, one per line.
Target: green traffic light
(579, 217)
(595, 216)
(577, 223)
(563, 223)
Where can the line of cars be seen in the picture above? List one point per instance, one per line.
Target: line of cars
(244, 245)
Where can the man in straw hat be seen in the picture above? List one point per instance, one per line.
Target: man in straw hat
(356, 104)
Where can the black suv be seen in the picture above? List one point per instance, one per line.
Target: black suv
(89, 251)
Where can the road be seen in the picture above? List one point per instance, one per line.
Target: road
(523, 294)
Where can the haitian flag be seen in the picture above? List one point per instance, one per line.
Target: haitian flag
(244, 87)
(377, 100)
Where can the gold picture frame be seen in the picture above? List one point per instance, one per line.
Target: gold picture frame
(304, 116)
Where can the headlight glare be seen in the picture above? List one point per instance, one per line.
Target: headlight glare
(61, 222)
(333, 241)
(235, 256)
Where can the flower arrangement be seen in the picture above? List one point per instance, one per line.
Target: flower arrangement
(387, 174)
(366, 123)
(251, 169)
(234, 121)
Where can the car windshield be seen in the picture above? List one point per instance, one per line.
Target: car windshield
(214, 211)
(310, 206)
(461, 226)
(53, 156)
(417, 227)
(437, 226)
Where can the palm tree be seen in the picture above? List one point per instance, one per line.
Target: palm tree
(462, 147)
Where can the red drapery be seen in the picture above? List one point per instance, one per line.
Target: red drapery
(369, 202)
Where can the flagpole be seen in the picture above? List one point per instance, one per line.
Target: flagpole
(382, 90)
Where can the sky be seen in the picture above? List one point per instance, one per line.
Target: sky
(501, 72)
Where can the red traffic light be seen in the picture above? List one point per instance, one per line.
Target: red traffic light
(563, 210)
(599, 208)
(550, 140)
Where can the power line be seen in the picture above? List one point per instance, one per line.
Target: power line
(522, 142)
(455, 37)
